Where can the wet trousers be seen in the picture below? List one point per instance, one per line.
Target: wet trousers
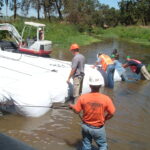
(97, 134)
(77, 86)
(110, 75)
(145, 73)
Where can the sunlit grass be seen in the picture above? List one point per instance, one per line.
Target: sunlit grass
(63, 34)
(134, 34)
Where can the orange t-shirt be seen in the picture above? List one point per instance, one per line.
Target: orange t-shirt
(94, 107)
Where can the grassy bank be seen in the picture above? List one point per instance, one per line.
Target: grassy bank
(63, 34)
(133, 34)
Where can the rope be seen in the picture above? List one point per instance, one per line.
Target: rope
(12, 58)
(40, 106)
(34, 64)
(15, 71)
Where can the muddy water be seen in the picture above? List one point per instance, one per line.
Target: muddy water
(59, 129)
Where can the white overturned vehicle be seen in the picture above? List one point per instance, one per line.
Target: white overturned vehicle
(29, 85)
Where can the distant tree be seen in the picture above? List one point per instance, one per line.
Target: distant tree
(143, 11)
(1, 4)
(105, 16)
(6, 2)
(80, 11)
(134, 11)
(14, 5)
(36, 4)
(25, 7)
(128, 12)
(59, 6)
(48, 8)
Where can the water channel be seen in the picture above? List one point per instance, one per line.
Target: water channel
(59, 129)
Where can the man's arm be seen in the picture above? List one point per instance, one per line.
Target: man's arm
(77, 106)
(110, 109)
(71, 106)
(108, 116)
(125, 65)
(70, 75)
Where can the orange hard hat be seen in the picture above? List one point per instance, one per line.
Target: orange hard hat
(74, 46)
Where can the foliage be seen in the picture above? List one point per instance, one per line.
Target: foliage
(134, 11)
(1, 4)
(148, 68)
(64, 34)
(85, 13)
(133, 33)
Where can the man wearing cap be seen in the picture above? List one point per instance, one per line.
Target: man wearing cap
(137, 67)
(97, 108)
(77, 70)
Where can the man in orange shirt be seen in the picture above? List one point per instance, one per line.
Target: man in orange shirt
(97, 108)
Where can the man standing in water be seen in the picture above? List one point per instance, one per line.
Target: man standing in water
(97, 108)
(77, 71)
(108, 67)
(137, 67)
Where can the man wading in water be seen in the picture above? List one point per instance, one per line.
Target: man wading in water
(97, 108)
(137, 67)
(77, 71)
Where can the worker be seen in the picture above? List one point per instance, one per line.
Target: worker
(77, 71)
(108, 66)
(97, 108)
(137, 67)
(115, 52)
(119, 67)
(41, 34)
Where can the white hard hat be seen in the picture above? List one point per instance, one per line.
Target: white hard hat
(40, 28)
(96, 79)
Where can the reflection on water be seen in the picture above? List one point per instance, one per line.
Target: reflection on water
(59, 129)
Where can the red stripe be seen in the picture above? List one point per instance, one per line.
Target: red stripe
(40, 52)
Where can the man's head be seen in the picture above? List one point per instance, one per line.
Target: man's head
(95, 81)
(99, 54)
(74, 48)
(112, 56)
(128, 57)
(115, 51)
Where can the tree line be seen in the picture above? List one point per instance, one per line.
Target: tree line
(84, 12)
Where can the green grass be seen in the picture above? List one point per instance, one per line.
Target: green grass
(148, 68)
(134, 34)
(63, 34)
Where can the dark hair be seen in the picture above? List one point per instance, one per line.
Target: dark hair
(95, 88)
(115, 51)
(99, 54)
(76, 50)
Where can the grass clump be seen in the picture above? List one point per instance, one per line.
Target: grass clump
(134, 34)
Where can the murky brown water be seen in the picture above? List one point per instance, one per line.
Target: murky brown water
(59, 129)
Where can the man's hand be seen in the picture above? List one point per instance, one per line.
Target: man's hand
(68, 81)
(70, 106)
(93, 66)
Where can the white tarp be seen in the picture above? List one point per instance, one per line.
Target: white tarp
(33, 83)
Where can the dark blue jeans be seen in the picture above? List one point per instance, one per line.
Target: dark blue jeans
(98, 134)
(110, 75)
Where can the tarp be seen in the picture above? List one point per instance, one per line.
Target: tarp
(31, 84)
